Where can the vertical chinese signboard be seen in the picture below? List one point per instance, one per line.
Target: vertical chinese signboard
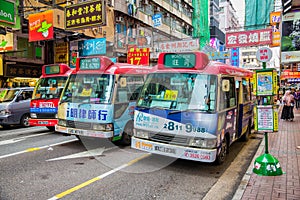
(87, 14)
(275, 18)
(41, 26)
(138, 56)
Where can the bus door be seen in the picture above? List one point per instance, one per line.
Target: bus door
(127, 90)
(228, 106)
(245, 106)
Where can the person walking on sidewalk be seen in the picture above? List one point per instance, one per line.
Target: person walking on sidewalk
(288, 106)
(297, 99)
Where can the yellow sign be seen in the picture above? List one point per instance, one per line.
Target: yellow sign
(86, 92)
(171, 95)
(275, 118)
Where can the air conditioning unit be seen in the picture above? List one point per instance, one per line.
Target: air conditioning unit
(168, 14)
(119, 19)
(182, 24)
(145, 2)
(157, 9)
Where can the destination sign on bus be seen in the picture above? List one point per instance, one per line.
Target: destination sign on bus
(89, 63)
(182, 60)
(52, 69)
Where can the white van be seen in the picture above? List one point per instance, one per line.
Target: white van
(15, 106)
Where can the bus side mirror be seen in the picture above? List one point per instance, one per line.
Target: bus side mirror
(225, 85)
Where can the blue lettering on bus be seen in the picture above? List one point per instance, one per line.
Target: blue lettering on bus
(102, 114)
(87, 114)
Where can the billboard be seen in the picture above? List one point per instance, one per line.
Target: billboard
(41, 26)
(290, 38)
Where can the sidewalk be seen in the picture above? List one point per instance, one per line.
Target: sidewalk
(283, 146)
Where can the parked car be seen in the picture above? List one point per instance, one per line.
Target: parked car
(15, 106)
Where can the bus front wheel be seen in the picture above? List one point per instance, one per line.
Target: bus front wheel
(126, 136)
(223, 152)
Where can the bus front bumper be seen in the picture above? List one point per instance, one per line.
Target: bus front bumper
(188, 153)
(82, 132)
(42, 122)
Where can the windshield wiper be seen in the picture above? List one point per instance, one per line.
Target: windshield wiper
(187, 110)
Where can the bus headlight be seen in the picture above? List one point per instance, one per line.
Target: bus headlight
(103, 127)
(62, 122)
(56, 116)
(141, 134)
(204, 143)
(33, 115)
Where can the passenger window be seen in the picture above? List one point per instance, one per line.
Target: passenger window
(228, 98)
(128, 88)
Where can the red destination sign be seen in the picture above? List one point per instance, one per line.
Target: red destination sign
(138, 56)
(249, 38)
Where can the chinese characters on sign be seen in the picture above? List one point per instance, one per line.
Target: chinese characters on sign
(84, 15)
(179, 46)
(138, 56)
(157, 19)
(92, 47)
(235, 56)
(23, 71)
(264, 54)
(61, 53)
(265, 118)
(275, 21)
(249, 38)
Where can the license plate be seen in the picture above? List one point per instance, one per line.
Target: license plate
(76, 132)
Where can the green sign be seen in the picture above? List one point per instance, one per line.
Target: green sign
(52, 69)
(7, 12)
(89, 63)
(182, 60)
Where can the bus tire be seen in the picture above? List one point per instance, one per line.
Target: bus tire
(51, 128)
(25, 120)
(220, 159)
(127, 133)
(245, 137)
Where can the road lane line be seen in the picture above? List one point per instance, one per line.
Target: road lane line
(84, 184)
(37, 148)
(14, 140)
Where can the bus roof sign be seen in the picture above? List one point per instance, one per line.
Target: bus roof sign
(174, 60)
(55, 69)
(186, 60)
(92, 63)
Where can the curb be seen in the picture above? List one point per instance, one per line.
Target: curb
(245, 180)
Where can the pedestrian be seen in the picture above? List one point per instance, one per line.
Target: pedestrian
(297, 99)
(288, 105)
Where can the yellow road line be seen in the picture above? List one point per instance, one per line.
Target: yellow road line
(33, 149)
(73, 189)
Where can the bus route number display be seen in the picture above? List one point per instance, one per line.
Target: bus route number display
(89, 63)
(183, 60)
(52, 69)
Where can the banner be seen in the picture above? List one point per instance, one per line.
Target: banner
(41, 26)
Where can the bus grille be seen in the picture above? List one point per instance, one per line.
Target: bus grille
(169, 139)
(80, 125)
(45, 115)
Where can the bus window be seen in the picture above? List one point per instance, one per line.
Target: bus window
(246, 90)
(228, 98)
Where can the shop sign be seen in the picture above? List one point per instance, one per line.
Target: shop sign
(41, 26)
(7, 12)
(73, 57)
(249, 38)
(235, 57)
(6, 42)
(179, 46)
(275, 19)
(138, 56)
(61, 50)
(287, 74)
(218, 55)
(23, 71)
(92, 47)
(87, 14)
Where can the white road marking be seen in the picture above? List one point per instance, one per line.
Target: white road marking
(11, 141)
(36, 148)
(93, 152)
(23, 130)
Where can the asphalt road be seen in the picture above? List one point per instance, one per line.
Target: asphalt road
(39, 164)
